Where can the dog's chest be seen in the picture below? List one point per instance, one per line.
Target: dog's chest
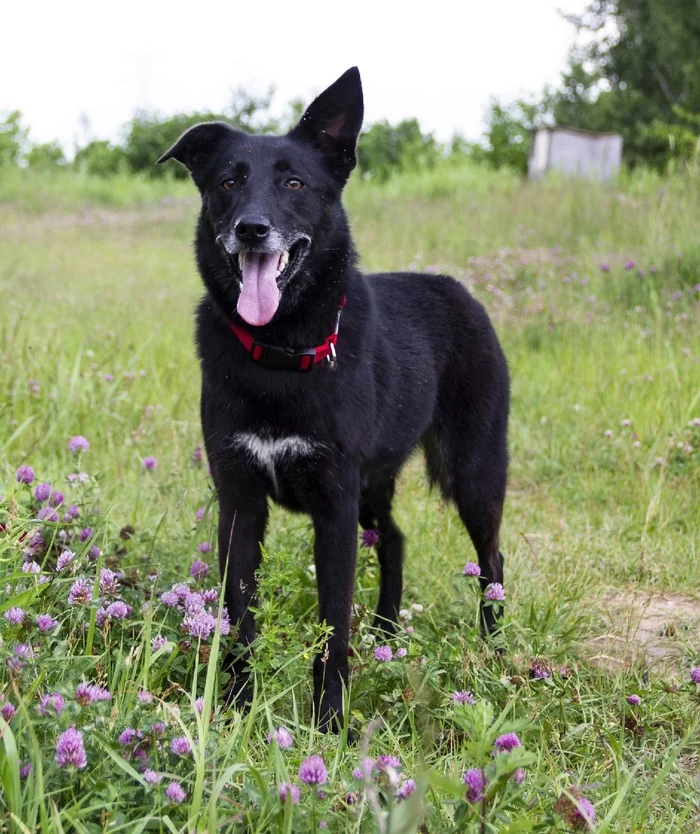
(280, 458)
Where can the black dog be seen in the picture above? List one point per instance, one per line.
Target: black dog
(318, 381)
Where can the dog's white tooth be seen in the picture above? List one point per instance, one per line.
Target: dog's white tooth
(240, 259)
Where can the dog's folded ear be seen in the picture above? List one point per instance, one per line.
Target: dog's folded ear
(197, 144)
(332, 122)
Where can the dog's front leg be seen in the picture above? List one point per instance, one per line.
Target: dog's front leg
(242, 521)
(335, 554)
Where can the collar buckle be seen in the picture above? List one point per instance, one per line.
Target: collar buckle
(282, 359)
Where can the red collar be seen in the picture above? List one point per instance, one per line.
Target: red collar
(288, 359)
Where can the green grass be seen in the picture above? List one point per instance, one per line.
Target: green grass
(98, 278)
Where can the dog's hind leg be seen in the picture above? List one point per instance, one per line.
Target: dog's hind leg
(480, 506)
(473, 475)
(375, 513)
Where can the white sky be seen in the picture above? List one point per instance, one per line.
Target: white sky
(438, 60)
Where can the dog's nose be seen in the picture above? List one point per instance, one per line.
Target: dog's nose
(252, 229)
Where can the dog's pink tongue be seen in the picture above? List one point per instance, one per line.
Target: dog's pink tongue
(260, 296)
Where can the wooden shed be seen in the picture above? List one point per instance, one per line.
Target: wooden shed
(575, 153)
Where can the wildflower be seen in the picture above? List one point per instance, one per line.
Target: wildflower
(144, 697)
(47, 514)
(579, 812)
(369, 538)
(474, 780)
(180, 746)
(129, 736)
(78, 478)
(199, 570)
(204, 547)
(210, 596)
(25, 770)
(199, 705)
(495, 592)
(286, 789)
(150, 777)
(55, 702)
(401, 652)
(364, 771)
(80, 593)
(70, 749)
(72, 513)
(45, 622)
(64, 560)
(200, 624)
(56, 498)
(695, 674)
(506, 743)
(383, 762)
(630, 265)
(109, 583)
(417, 608)
(90, 693)
(25, 474)
(169, 598)
(609, 434)
(158, 642)
(14, 615)
(42, 492)
(78, 444)
(539, 669)
(410, 629)
(282, 736)
(519, 776)
(118, 610)
(35, 544)
(175, 793)
(472, 569)
(25, 651)
(463, 697)
(634, 700)
(197, 455)
(605, 267)
(150, 463)
(312, 771)
(108, 377)
(86, 533)
(7, 711)
(225, 623)
(383, 653)
(199, 515)
(405, 789)
(626, 423)
(158, 728)
(31, 567)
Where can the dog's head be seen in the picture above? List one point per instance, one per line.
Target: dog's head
(268, 201)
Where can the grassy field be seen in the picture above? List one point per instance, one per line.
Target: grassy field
(595, 293)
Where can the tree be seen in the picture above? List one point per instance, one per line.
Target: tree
(45, 155)
(13, 138)
(149, 135)
(101, 158)
(639, 75)
(385, 148)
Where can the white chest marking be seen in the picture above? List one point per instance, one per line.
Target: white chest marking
(268, 451)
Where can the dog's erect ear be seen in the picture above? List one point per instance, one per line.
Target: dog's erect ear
(332, 122)
(198, 143)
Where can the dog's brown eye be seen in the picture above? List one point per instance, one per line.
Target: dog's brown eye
(294, 184)
(227, 185)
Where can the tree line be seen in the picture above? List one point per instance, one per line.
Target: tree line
(637, 74)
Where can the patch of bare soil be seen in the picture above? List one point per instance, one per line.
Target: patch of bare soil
(646, 627)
